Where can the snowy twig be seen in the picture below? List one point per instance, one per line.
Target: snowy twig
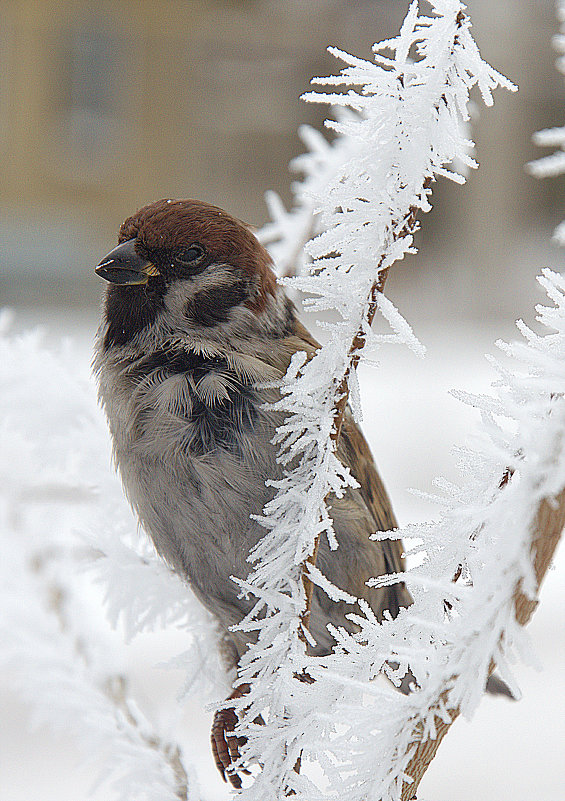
(286, 235)
(489, 529)
(63, 517)
(342, 394)
(404, 130)
(72, 685)
(547, 531)
(113, 686)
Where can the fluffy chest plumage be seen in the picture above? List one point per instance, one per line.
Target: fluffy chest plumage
(185, 404)
(192, 443)
(179, 403)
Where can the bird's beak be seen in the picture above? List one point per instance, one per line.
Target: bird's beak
(124, 265)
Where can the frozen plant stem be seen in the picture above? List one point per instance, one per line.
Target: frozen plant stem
(342, 394)
(554, 164)
(550, 521)
(114, 686)
(354, 356)
(116, 689)
(358, 343)
(401, 130)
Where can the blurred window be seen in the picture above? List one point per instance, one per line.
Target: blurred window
(90, 95)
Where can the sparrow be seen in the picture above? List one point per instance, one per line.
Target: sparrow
(195, 333)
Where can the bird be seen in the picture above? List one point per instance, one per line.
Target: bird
(194, 336)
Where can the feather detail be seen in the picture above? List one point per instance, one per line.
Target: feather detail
(215, 387)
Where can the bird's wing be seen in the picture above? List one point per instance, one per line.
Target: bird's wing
(357, 515)
(355, 453)
(385, 556)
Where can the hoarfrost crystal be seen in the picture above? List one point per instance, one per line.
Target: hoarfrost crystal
(399, 129)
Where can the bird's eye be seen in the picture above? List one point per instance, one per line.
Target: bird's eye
(190, 257)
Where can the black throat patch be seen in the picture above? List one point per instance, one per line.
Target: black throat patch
(129, 309)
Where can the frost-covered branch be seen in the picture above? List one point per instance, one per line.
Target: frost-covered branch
(545, 534)
(373, 743)
(286, 235)
(550, 166)
(403, 131)
(71, 687)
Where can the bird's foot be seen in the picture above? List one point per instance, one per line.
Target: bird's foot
(225, 745)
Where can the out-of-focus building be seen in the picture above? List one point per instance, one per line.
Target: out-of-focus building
(105, 106)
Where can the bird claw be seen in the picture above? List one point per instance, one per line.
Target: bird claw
(225, 746)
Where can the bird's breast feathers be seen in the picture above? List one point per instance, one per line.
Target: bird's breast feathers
(185, 402)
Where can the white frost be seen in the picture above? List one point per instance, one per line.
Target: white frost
(400, 128)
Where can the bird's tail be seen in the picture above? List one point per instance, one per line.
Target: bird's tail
(496, 686)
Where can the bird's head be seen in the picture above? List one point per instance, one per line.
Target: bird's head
(187, 265)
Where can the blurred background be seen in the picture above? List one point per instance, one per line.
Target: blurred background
(105, 106)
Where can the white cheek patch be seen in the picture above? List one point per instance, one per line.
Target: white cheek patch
(182, 290)
(177, 295)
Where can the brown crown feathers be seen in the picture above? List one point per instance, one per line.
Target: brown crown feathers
(166, 223)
